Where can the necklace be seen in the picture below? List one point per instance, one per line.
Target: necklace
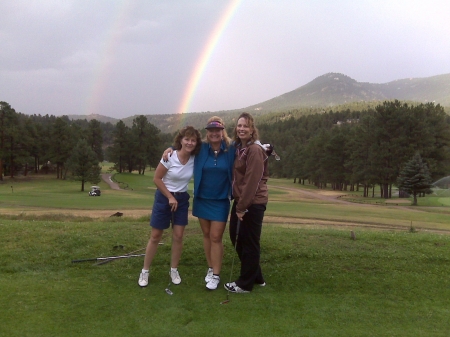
(216, 152)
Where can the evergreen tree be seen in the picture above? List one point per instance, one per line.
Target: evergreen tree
(361, 163)
(20, 141)
(120, 150)
(61, 144)
(94, 136)
(146, 147)
(415, 178)
(335, 157)
(389, 143)
(7, 117)
(314, 158)
(31, 142)
(84, 164)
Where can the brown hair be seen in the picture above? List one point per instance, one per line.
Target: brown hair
(251, 123)
(226, 138)
(188, 131)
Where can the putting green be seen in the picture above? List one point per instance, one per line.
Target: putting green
(444, 201)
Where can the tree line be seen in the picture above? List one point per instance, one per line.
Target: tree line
(75, 148)
(349, 149)
(345, 150)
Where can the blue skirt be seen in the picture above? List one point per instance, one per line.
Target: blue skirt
(211, 209)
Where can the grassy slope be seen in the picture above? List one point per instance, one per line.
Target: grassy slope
(48, 193)
(320, 283)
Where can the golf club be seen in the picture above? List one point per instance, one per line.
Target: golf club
(167, 290)
(107, 261)
(232, 263)
(108, 258)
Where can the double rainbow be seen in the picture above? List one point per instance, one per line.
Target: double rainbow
(112, 40)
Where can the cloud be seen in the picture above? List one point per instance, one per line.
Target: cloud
(121, 58)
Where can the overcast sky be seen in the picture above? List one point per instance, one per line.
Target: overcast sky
(120, 58)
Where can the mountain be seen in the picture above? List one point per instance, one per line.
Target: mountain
(335, 89)
(100, 118)
(332, 90)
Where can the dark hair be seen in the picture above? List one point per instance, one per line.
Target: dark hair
(251, 124)
(188, 131)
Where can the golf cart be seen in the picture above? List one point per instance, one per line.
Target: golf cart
(95, 191)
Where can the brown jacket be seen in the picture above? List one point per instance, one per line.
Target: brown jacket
(250, 176)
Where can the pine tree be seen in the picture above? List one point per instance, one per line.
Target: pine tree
(94, 136)
(61, 144)
(83, 164)
(121, 149)
(415, 177)
(145, 143)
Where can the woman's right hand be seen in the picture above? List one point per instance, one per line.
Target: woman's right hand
(173, 203)
(167, 153)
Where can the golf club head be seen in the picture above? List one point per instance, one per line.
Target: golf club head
(168, 291)
(225, 302)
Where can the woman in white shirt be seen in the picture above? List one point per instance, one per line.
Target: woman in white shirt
(172, 200)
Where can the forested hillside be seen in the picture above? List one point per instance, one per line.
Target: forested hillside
(340, 149)
(332, 91)
(45, 144)
(368, 147)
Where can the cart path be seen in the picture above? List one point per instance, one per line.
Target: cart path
(317, 195)
(107, 179)
(333, 196)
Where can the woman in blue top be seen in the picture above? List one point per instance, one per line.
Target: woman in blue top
(213, 174)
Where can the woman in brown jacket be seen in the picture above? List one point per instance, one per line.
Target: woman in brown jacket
(250, 194)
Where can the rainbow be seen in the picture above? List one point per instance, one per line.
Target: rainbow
(106, 57)
(206, 54)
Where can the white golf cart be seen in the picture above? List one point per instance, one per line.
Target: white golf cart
(95, 191)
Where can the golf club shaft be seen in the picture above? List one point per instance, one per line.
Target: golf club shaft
(108, 258)
(130, 253)
(234, 255)
(235, 247)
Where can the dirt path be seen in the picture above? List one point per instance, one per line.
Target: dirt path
(107, 179)
(329, 196)
(319, 194)
(333, 196)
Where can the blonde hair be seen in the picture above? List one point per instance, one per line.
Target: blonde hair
(226, 138)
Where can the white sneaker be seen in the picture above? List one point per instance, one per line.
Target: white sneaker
(234, 288)
(213, 282)
(209, 275)
(143, 279)
(175, 276)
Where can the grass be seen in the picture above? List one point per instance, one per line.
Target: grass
(439, 197)
(319, 281)
(46, 191)
(388, 216)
